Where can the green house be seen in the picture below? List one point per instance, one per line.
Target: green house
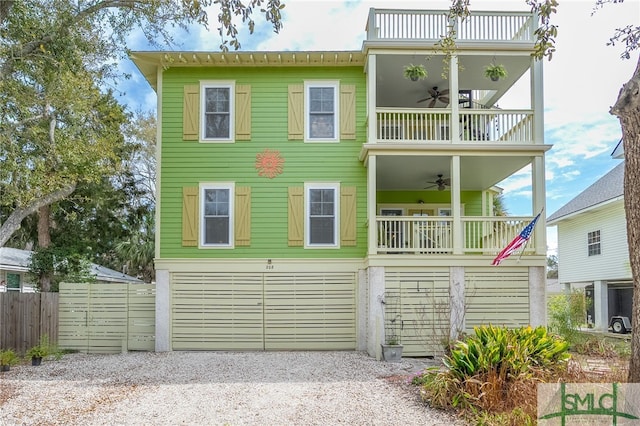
(323, 201)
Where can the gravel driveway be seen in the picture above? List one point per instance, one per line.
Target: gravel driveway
(214, 388)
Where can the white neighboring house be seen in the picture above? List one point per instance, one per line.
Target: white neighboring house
(14, 266)
(593, 250)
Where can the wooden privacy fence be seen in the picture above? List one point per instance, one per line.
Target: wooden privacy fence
(107, 318)
(24, 317)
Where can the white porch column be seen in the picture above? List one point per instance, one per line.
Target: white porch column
(163, 311)
(538, 189)
(456, 205)
(456, 301)
(601, 305)
(537, 296)
(453, 96)
(371, 99)
(537, 100)
(375, 328)
(372, 230)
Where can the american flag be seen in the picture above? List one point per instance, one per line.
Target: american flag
(517, 242)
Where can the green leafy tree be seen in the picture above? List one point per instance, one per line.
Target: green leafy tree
(59, 265)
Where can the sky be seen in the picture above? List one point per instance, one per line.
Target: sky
(581, 82)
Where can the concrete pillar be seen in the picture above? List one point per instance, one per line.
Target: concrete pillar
(362, 309)
(163, 311)
(457, 302)
(601, 305)
(537, 296)
(375, 328)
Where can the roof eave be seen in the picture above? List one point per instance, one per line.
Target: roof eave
(148, 62)
(585, 210)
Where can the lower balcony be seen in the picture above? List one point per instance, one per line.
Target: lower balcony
(435, 235)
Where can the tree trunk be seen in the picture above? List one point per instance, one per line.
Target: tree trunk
(44, 241)
(627, 109)
(12, 224)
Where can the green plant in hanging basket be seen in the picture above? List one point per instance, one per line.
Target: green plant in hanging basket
(495, 72)
(415, 72)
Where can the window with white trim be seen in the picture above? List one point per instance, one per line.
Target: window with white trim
(216, 212)
(593, 243)
(321, 215)
(217, 106)
(321, 111)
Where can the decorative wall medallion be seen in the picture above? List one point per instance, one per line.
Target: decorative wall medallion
(269, 163)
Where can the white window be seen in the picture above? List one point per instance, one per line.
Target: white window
(216, 212)
(217, 106)
(321, 111)
(593, 243)
(321, 215)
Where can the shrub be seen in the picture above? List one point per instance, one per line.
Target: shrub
(8, 357)
(496, 369)
(567, 313)
(508, 353)
(44, 349)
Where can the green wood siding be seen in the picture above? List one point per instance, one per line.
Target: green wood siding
(186, 163)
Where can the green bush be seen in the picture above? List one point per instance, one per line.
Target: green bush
(8, 357)
(495, 370)
(566, 314)
(504, 351)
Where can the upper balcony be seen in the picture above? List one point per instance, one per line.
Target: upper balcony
(421, 25)
(455, 103)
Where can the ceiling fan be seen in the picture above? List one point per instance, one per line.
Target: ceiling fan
(441, 183)
(436, 95)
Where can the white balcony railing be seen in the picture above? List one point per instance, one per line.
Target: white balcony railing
(433, 235)
(433, 125)
(389, 24)
(410, 234)
(490, 234)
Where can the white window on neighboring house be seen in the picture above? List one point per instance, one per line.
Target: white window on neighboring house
(217, 106)
(321, 111)
(321, 215)
(216, 207)
(593, 243)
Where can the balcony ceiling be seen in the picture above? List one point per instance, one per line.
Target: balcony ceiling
(413, 172)
(393, 90)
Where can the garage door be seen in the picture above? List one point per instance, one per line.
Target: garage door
(216, 311)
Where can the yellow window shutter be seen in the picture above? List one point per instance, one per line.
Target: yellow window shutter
(296, 216)
(191, 113)
(190, 216)
(348, 216)
(243, 216)
(243, 112)
(347, 111)
(296, 111)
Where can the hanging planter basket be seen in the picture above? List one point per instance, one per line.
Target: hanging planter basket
(495, 72)
(415, 72)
